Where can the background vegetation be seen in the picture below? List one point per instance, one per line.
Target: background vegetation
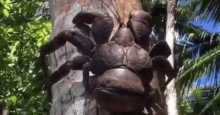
(24, 27)
(199, 51)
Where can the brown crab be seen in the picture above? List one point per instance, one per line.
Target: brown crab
(123, 67)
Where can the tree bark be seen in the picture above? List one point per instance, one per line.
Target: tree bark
(68, 94)
(4, 111)
(171, 34)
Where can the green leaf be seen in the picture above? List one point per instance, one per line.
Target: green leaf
(197, 93)
(8, 1)
(12, 100)
(1, 1)
(21, 85)
(13, 49)
(5, 12)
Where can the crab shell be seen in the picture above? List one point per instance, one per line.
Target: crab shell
(118, 64)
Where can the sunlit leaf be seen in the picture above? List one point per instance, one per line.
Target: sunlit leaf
(8, 1)
(12, 100)
(5, 12)
(19, 50)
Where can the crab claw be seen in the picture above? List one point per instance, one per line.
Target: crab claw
(102, 24)
(140, 23)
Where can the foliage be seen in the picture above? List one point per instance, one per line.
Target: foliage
(200, 9)
(22, 32)
(206, 9)
(194, 68)
(201, 66)
(197, 32)
(213, 106)
(184, 107)
(191, 104)
(200, 104)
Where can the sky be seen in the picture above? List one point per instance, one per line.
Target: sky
(209, 26)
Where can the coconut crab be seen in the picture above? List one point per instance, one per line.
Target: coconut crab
(123, 67)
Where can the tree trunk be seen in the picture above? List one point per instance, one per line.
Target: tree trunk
(171, 34)
(68, 96)
(4, 111)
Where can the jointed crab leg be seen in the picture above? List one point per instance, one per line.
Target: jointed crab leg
(140, 23)
(160, 53)
(163, 65)
(73, 36)
(102, 24)
(160, 48)
(86, 68)
(74, 64)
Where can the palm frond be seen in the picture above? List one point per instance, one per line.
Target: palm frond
(213, 106)
(198, 32)
(184, 13)
(207, 9)
(203, 9)
(193, 69)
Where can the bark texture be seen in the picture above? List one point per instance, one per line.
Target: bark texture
(4, 111)
(171, 34)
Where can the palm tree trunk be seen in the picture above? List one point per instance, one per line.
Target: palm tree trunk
(171, 34)
(68, 96)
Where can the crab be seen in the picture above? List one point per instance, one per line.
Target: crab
(124, 69)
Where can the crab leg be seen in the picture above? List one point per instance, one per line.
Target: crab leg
(160, 48)
(86, 68)
(75, 37)
(140, 23)
(75, 64)
(162, 64)
(102, 24)
(157, 102)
